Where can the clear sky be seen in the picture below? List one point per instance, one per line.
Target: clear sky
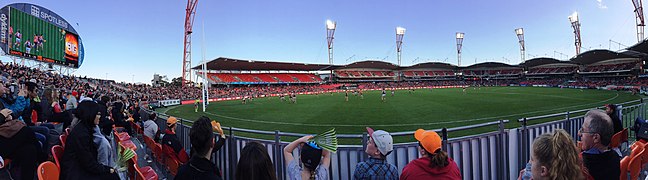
(137, 38)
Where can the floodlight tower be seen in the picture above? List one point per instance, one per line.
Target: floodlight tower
(520, 34)
(573, 19)
(400, 32)
(460, 37)
(639, 18)
(186, 59)
(330, 31)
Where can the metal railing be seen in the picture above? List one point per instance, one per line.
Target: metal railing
(497, 154)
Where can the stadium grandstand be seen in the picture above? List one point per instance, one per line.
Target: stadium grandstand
(479, 121)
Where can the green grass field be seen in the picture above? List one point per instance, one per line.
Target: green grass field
(424, 108)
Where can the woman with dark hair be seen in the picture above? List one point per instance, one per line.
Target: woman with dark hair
(314, 160)
(612, 111)
(79, 159)
(434, 162)
(117, 114)
(255, 163)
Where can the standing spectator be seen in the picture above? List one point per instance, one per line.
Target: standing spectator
(554, 156)
(170, 143)
(595, 134)
(379, 145)
(611, 110)
(71, 101)
(255, 163)
(150, 127)
(203, 143)
(79, 159)
(434, 163)
(314, 160)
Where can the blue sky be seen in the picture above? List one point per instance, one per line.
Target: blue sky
(125, 38)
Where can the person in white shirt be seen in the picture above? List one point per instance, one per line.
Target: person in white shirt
(150, 128)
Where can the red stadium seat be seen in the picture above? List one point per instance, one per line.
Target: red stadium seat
(57, 152)
(63, 138)
(47, 171)
(145, 173)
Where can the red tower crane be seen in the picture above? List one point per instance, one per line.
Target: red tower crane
(186, 59)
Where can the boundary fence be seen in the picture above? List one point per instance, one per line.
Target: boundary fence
(497, 154)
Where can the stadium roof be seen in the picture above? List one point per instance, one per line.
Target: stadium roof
(432, 65)
(640, 47)
(598, 55)
(223, 63)
(369, 64)
(489, 65)
(543, 61)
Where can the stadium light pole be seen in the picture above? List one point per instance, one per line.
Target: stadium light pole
(400, 32)
(573, 19)
(639, 18)
(460, 37)
(520, 34)
(330, 31)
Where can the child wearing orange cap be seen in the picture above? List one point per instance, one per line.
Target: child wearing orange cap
(434, 162)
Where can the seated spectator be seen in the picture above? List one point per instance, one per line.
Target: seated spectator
(379, 145)
(554, 156)
(80, 156)
(203, 143)
(171, 145)
(255, 163)
(434, 163)
(611, 110)
(117, 114)
(105, 123)
(15, 104)
(595, 134)
(18, 143)
(314, 160)
(150, 127)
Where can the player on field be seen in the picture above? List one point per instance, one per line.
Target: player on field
(383, 96)
(18, 37)
(196, 105)
(361, 95)
(28, 46)
(393, 91)
(346, 96)
(35, 44)
(41, 40)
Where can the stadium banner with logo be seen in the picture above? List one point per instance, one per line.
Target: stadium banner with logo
(4, 28)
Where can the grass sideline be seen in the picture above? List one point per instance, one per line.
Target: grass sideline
(424, 108)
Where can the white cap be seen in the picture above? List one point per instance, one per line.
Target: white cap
(383, 141)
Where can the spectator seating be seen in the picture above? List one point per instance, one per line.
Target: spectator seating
(264, 78)
(63, 138)
(48, 171)
(57, 152)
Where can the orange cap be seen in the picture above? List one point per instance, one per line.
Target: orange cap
(171, 120)
(430, 140)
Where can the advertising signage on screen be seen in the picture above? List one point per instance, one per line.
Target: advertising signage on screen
(33, 32)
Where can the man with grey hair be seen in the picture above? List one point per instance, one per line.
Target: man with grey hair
(595, 135)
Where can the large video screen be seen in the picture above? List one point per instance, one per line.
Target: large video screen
(35, 36)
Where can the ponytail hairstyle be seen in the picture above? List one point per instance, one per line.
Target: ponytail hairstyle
(557, 152)
(438, 159)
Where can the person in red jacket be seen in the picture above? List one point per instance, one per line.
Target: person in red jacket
(434, 162)
(171, 145)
